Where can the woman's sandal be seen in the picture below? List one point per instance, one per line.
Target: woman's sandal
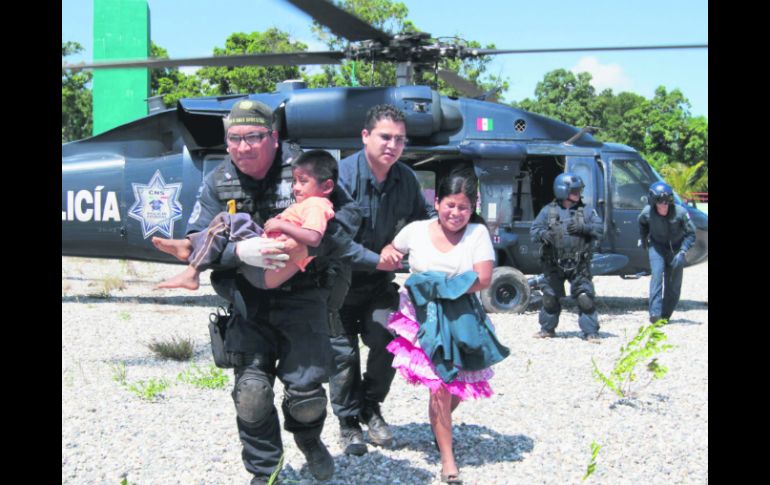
(453, 479)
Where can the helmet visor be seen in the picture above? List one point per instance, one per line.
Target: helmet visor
(663, 199)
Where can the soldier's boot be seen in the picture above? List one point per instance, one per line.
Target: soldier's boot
(319, 460)
(379, 431)
(352, 437)
(545, 334)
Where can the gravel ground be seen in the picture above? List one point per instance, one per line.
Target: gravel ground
(537, 428)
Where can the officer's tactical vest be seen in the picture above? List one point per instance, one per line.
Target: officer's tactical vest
(567, 256)
(260, 206)
(261, 203)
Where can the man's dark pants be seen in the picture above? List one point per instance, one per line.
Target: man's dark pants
(290, 332)
(553, 289)
(366, 309)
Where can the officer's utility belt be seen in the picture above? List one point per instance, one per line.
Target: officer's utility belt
(571, 262)
(568, 264)
(302, 281)
(304, 285)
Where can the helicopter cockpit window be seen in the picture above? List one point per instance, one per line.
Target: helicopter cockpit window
(630, 181)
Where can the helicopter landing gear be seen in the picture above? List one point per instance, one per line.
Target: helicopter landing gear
(508, 293)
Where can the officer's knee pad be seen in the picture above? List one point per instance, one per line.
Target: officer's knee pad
(586, 303)
(253, 396)
(550, 302)
(305, 406)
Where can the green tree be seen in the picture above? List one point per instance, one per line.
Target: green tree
(252, 79)
(661, 128)
(76, 101)
(566, 97)
(620, 117)
(173, 84)
(686, 179)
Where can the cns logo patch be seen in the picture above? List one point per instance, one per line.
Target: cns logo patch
(156, 206)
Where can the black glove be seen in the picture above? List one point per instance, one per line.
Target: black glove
(547, 237)
(576, 228)
(678, 260)
(644, 243)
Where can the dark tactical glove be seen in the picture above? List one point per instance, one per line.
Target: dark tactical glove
(576, 228)
(547, 237)
(678, 260)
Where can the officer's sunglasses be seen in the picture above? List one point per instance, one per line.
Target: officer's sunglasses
(664, 199)
(251, 139)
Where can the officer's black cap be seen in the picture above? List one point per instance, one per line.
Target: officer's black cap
(252, 113)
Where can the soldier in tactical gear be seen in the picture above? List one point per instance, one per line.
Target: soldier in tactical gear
(272, 332)
(667, 233)
(567, 232)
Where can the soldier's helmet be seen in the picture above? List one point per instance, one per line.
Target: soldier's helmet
(660, 192)
(566, 182)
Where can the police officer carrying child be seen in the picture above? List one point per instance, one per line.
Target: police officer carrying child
(279, 332)
(667, 233)
(567, 232)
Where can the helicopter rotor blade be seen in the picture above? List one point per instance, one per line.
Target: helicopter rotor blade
(341, 22)
(280, 59)
(492, 52)
(469, 88)
(461, 84)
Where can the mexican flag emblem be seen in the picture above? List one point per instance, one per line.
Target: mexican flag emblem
(484, 124)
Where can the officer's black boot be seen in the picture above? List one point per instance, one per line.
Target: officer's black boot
(319, 460)
(351, 436)
(379, 431)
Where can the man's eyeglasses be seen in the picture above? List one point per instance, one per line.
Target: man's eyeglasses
(664, 199)
(397, 139)
(251, 139)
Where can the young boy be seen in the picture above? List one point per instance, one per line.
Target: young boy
(314, 175)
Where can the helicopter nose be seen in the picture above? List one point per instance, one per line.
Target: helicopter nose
(699, 252)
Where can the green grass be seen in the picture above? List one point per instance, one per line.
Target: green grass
(149, 390)
(213, 378)
(119, 373)
(107, 285)
(177, 348)
(595, 447)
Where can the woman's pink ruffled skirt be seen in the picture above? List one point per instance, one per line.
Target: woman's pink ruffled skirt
(415, 366)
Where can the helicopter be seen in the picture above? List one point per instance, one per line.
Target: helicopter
(141, 179)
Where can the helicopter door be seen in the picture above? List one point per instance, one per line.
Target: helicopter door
(630, 179)
(588, 169)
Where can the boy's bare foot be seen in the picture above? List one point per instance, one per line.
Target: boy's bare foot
(189, 279)
(179, 248)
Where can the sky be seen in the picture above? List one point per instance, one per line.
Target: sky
(192, 28)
